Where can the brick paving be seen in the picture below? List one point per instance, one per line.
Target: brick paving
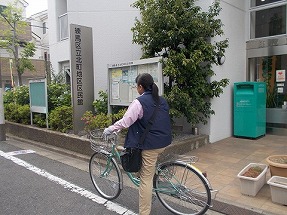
(224, 159)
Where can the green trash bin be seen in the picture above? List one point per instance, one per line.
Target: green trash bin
(249, 109)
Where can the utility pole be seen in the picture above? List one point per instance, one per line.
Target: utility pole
(2, 118)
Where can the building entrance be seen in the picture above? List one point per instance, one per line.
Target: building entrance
(272, 70)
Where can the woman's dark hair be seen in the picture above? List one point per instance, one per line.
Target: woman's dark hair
(146, 80)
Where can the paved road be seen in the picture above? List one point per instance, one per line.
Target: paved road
(34, 184)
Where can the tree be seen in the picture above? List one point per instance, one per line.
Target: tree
(184, 33)
(14, 25)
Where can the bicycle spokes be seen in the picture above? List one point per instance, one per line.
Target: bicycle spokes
(181, 189)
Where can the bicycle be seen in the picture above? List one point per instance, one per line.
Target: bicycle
(178, 184)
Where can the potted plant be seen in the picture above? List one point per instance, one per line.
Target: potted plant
(278, 165)
(278, 189)
(252, 178)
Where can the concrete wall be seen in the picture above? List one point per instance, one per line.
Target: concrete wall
(82, 144)
(51, 138)
(220, 125)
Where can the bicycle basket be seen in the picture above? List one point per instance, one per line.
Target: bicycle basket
(98, 142)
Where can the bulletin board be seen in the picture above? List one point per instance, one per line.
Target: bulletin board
(122, 86)
(38, 97)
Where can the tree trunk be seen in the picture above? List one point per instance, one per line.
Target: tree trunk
(20, 78)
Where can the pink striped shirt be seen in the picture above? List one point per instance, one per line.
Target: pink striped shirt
(134, 112)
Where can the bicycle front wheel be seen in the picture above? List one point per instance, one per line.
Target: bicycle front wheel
(181, 189)
(105, 175)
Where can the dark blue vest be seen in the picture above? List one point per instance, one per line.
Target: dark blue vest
(159, 135)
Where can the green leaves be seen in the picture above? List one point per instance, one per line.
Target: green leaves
(12, 29)
(101, 104)
(17, 108)
(24, 61)
(166, 24)
(60, 119)
(58, 95)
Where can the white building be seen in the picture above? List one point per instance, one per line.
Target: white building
(40, 34)
(111, 22)
(246, 25)
(21, 4)
(31, 33)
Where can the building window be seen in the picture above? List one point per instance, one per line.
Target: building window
(67, 75)
(2, 8)
(63, 24)
(267, 19)
(271, 70)
(44, 28)
(255, 3)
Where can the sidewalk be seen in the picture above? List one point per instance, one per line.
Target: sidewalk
(224, 159)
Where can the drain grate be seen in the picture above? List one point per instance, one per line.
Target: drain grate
(229, 209)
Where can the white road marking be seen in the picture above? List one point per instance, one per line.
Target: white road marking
(72, 187)
(20, 152)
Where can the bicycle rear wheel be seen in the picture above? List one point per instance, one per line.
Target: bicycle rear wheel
(105, 175)
(181, 189)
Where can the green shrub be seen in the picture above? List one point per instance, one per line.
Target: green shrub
(19, 95)
(100, 120)
(92, 122)
(58, 95)
(117, 116)
(17, 106)
(60, 119)
(40, 120)
(24, 114)
(17, 113)
(101, 104)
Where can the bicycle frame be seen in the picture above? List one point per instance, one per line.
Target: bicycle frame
(136, 181)
(115, 153)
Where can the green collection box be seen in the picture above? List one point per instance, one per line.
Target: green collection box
(249, 109)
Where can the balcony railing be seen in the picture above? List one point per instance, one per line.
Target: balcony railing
(63, 27)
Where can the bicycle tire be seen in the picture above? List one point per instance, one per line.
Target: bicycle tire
(105, 175)
(181, 189)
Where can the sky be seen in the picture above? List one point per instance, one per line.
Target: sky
(36, 6)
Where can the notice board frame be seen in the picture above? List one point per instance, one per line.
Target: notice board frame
(121, 79)
(38, 94)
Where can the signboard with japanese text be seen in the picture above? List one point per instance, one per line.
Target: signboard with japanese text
(82, 73)
(281, 81)
(280, 75)
(122, 86)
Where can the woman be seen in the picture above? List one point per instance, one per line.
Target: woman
(136, 119)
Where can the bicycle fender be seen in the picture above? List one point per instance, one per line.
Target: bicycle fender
(196, 170)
